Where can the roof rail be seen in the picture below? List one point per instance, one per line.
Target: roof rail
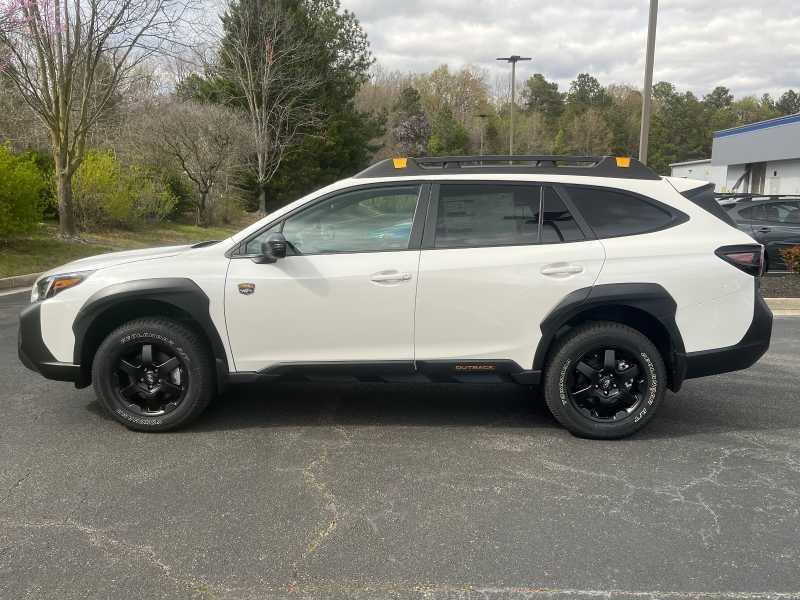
(592, 166)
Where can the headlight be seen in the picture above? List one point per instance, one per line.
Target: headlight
(47, 287)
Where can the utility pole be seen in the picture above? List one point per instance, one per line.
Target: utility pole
(482, 117)
(514, 59)
(644, 136)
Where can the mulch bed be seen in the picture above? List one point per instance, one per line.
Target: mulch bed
(781, 286)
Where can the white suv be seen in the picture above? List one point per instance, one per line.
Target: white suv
(592, 278)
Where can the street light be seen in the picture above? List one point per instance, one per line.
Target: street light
(644, 135)
(513, 60)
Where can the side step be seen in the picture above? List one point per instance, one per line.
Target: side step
(431, 371)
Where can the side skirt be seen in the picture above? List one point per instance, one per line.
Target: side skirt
(429, 371)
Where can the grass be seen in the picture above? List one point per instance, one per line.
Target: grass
(43, 250)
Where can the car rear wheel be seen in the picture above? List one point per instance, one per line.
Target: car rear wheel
(604, 381)
(153, 374)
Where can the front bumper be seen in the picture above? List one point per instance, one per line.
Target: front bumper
(34, 354)
(746, 353)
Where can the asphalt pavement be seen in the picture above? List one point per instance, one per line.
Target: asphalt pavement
(397, 491)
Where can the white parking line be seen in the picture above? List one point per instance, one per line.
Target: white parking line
(23, 290)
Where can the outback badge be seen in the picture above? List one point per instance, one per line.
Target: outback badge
(247, 288)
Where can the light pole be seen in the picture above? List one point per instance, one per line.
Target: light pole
(514, 59)
(482, 117)
(644, 135)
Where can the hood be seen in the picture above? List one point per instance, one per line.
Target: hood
(113, 259)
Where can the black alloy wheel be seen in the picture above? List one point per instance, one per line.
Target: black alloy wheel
(604, 380)
(154, 374)
(151, 379)
(607, 384)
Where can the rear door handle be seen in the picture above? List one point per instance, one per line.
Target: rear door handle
(764, 229)
(390, 277)
(562, 269)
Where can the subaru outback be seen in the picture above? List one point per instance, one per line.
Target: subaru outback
(591, 279)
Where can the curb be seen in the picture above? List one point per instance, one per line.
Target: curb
(783, 303)
(9, 283)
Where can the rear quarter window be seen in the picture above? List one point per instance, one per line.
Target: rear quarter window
(613, 213)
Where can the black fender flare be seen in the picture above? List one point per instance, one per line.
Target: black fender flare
(180, 293)
(649, 298)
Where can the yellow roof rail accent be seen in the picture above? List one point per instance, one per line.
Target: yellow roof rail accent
(400, 163)
(624, 162)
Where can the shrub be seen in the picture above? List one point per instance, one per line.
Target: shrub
(21, 189)
(792, 258)
(108, 194)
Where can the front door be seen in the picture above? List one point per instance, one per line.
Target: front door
(496, 259)
(345, 291)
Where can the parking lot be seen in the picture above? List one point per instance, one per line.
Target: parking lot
(375, 491)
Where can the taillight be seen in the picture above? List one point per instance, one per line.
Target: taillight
(749, 258)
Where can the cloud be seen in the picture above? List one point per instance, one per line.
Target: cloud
(749, 47)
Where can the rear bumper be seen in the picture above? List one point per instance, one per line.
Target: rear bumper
(740, 356)
(34, 354)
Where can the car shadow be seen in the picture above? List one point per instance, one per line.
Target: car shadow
(362, 404)
(287, 404)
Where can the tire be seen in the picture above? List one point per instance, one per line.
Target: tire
(604, 381)
(158, 389)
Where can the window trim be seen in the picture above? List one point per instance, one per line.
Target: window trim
(429, 236)
(677, 217)
(417, 221)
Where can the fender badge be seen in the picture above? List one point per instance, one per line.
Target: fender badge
(247, 288)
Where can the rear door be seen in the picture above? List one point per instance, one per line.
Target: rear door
(496, 259)
(778, 228)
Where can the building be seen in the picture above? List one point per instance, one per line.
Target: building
(701, 169)
(760, 158)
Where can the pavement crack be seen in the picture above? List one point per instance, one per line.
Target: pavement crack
(112, 547)
(14, 487)
(329, 503)
(312, 477)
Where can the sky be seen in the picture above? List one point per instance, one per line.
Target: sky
(749, 46)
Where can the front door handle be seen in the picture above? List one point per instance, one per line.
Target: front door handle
(390, 277)
(562, 269)
(764, 229)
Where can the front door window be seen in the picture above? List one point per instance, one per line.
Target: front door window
(371, 220)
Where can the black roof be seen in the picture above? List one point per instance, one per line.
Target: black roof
(591, 166)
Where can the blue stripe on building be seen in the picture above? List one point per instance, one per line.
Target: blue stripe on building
(756, 126)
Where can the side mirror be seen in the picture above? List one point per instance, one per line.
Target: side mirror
(272, 249)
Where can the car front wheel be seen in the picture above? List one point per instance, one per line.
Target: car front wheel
(153, 374)
(604, 381)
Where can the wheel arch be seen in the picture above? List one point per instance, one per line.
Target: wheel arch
(646, 307)
(180, 299)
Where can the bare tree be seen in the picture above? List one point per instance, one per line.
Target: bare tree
(70, 58)
(262, 55)
(206, 142)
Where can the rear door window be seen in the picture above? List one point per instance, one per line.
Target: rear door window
(487, 215)
(753, 213)
(476, 215)
(786, 213)
(612, 213)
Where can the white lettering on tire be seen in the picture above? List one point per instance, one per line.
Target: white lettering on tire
(652, 387)
(562, 381)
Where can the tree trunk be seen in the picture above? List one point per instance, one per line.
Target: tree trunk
(262, 199)
(66, 212)
(202, 210)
